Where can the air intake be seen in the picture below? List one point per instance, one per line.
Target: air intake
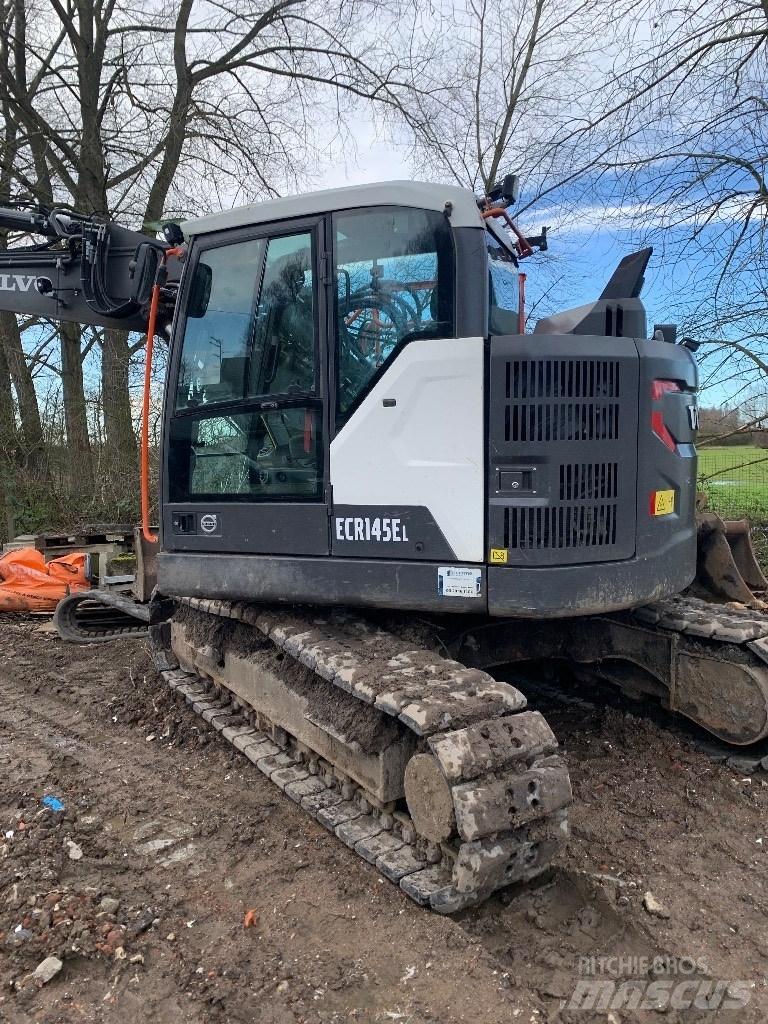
(590, 481)
(594, 418)
(563, 426)
(564, 421)
(560, 528)
(562, 378)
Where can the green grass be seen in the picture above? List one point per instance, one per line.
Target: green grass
(736, 481)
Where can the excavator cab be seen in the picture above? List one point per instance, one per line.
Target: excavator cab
(378, 328)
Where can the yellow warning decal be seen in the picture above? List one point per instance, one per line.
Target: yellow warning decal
(663, 503)
(499, 556)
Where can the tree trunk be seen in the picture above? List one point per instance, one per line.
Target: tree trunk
(120, 455)
(8, 439)
(31, 432)
(79, 465)
(115, 397)
(8, 450)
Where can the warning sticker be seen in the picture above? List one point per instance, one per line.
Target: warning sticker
(662, 503)
(499, 556)
(458, 581)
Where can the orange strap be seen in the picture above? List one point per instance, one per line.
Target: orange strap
(154, 303)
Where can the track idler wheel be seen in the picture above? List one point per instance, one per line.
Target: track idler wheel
(429, 798)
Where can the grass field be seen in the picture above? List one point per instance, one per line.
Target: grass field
(736, 480)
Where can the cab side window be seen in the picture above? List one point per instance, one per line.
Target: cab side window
(250, 328)
(250, 335)
(504, 294)
(283, 354)
(394, 284)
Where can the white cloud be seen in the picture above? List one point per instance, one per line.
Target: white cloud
(373, 159)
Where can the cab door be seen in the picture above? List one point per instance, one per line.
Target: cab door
(244, 428)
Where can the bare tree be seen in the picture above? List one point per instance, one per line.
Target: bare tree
(689, 172)
(27, 443)
(503, 88)
(127, 115)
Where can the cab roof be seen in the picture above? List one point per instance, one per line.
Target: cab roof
(418, 194)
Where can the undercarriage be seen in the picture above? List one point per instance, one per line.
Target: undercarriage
(391, 733)
(435, 772)
(388, 729)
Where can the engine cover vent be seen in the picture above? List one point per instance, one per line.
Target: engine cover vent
(562, 378)
(527, 419)
(590, 481)
(563, 419)
(560, 527)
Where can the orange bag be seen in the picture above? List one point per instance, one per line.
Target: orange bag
(29, 584)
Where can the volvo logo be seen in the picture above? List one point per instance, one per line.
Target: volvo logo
(209, 522)
(17, 282)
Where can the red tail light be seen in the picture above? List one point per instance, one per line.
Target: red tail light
(659, 388)
(659, 427)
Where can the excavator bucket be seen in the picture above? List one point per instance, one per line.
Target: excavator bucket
(726, 566)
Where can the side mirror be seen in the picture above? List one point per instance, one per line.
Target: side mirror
(142, 270)
(506, 191)
(200, 292)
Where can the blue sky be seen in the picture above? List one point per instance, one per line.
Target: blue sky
(583, 248)
(576, 266)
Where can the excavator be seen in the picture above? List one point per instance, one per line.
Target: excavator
(376, 489)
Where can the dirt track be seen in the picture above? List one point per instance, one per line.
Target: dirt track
(188, 836)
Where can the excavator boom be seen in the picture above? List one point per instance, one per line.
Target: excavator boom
(86, 271)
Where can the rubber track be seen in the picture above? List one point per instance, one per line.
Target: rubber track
(510, 789)
(692, 617)
(83, 619)
(751, 759)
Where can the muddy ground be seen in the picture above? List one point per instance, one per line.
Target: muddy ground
(171, 842)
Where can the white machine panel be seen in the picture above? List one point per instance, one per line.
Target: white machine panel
(427, 449)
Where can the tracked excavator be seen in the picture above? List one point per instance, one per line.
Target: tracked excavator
(376, 489)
